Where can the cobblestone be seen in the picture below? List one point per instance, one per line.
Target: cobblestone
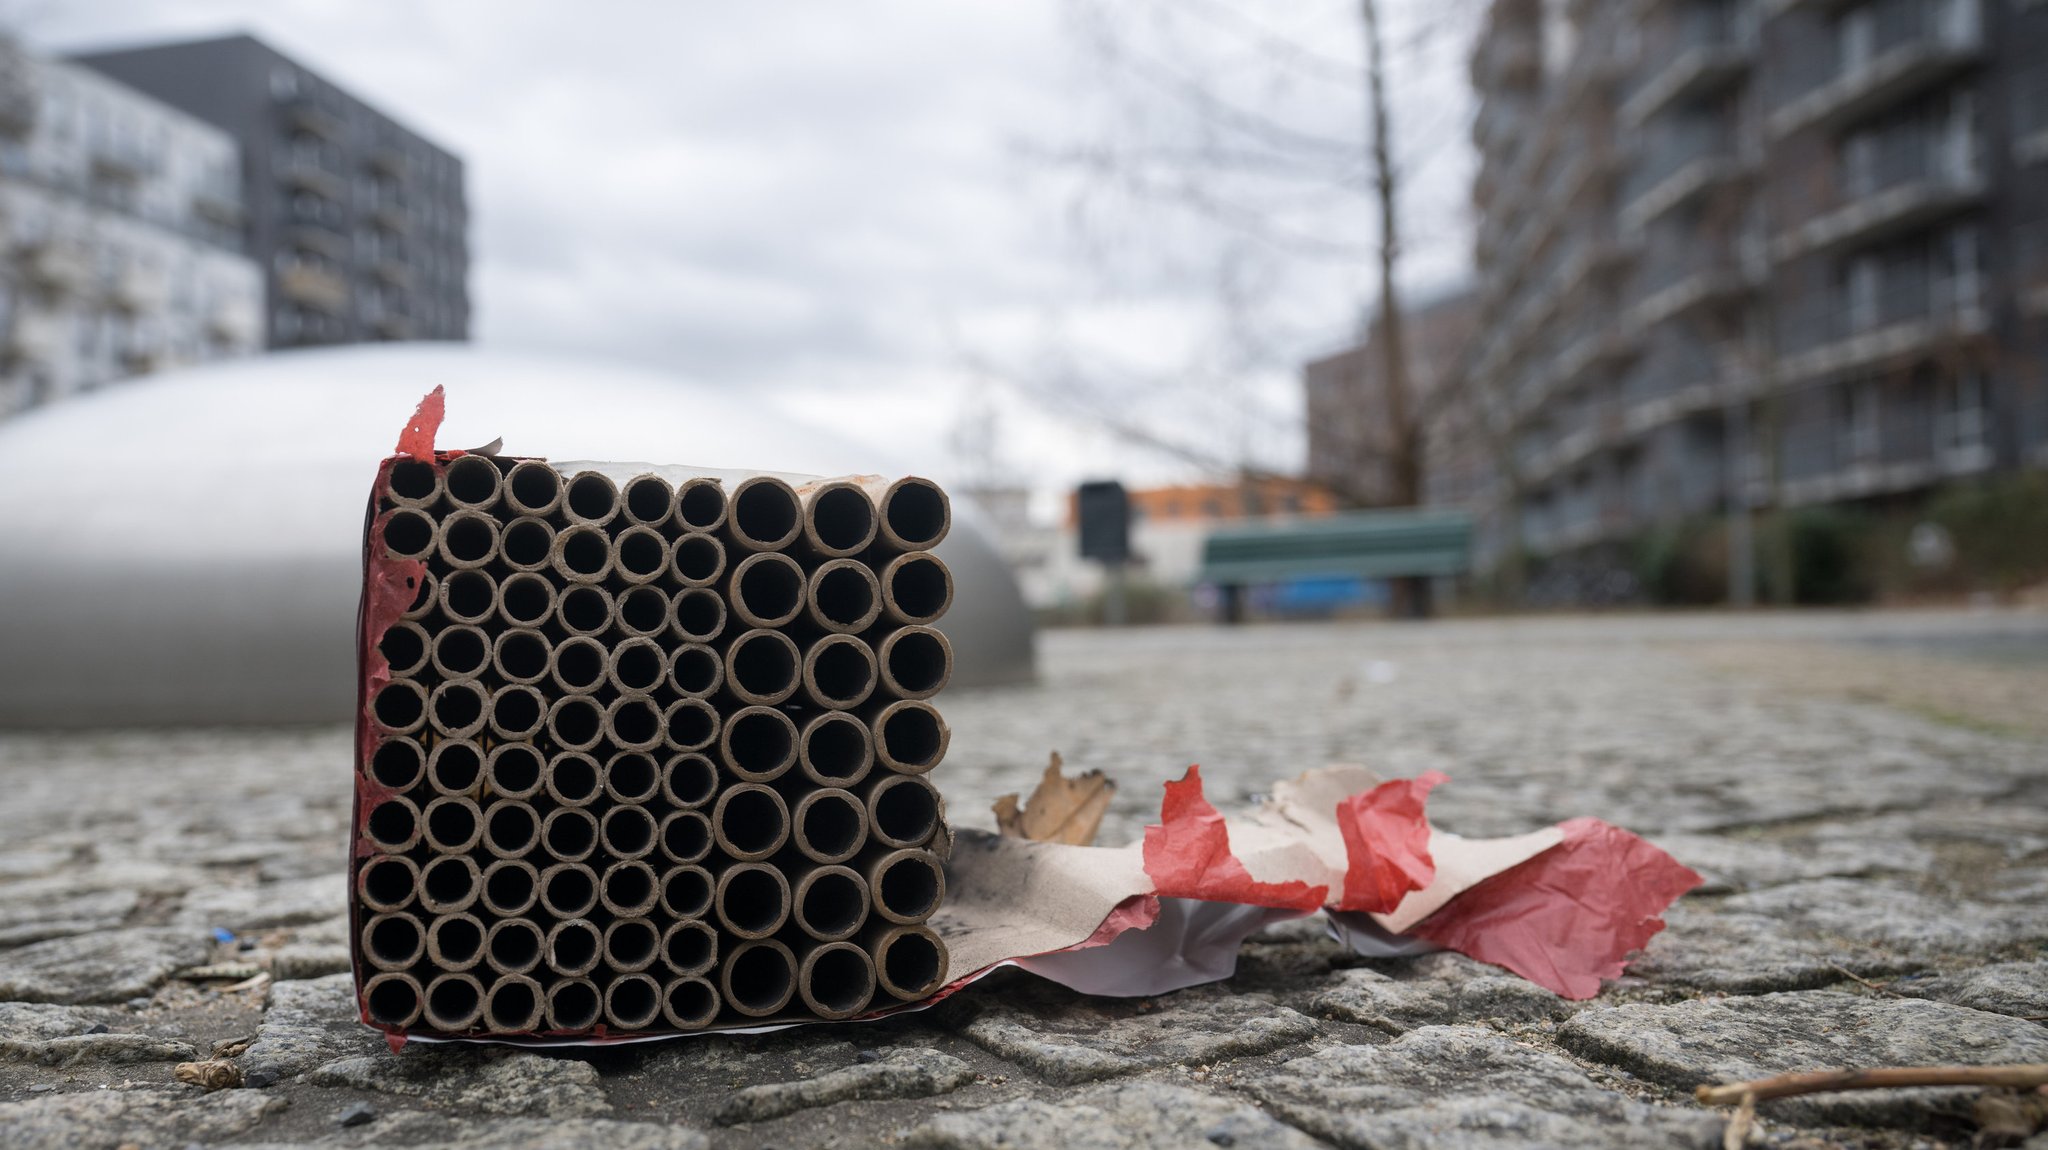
(1842, 839)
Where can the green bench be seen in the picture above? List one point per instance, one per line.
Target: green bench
(1363, 544)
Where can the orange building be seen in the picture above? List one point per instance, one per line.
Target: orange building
(1210, 502)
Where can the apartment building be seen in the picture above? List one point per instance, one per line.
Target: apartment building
(360, 223)
(120, 235)
(1750, 252)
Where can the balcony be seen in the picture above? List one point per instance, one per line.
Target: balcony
(1916, 182)
(18, 103)
(387, 161)
(1714, 50)
(35, 337)
(1679, 279)
(306, 116)
(1911, 46)
(319, 239)
(235, 324)
(391, 216)
(307, 176)
(393, 271)
(314, 287)
(220, 205)
(1683, 164)
(137, 290)
(1836, 333)
(58, 268)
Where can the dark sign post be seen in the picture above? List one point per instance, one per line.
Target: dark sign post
(1105, 512)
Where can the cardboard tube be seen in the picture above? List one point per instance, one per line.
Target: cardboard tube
(838, 672)
(632, 778)
(413, 483)
(700, 504)
(579, 664)
(568, 890)
(766, 590)
(426, 597)
(696, 671)
(584, 610)
(533, 487)
(511, 829)
(407, 533)
(454, 1003)
(689, 780)
(387, 882)
(907, 885)
(526, 600)
(393, 825)
(633, 723)
(831, 902)
(910, 961)
(685, 836)
(455, 941)
(392, 1000)
(914, 515)
(758, 744)
(576, 721)
(697, 559)
(458, 709)
(569, 834)
(590, 498)
(839, 518)
(917, 662)
(843, 596)
(752, 900)
(513, 1005)
(398, 763)
(829, 825)
(404, 646)
(461, 652)
(648, 500)
(527, 545)
(758, 978)
(637, 666)
(632, 1002)
(917, 587)
(515, 770)
(910, 736)
(574, 1005)
(763, 514)
(639, 555)
(689, 1003)
(474, 482)
(627, 832)
(467, 540)
(903, 810)
(697, 615)
(629, 889)
(511, 887)
(689, 725)
(523, 654)
(642, 611)
(449, 883)
(574, 947)
(690, 947)
(835, 749)
(512, 946)
(762, 668)
(396, 940)
(750, 821)
(836, 980)
(686, 891)
(572, 778)
(400, 706)
(517, 712)
(469, 597)
(582, 554)
(631, 944)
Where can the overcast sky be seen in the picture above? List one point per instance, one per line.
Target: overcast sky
(847, 209)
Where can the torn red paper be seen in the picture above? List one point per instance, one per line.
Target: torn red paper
(1386, 843)
(1568, 918)
(1188, 856)
(417, 440)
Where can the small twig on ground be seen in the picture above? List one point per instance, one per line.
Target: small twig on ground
(1876, 987)
(1736, 1136)
(2024, 1076)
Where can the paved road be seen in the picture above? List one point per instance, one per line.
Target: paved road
(1876, 839)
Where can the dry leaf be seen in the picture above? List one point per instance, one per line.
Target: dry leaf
(1061, 810)
(214, 1075)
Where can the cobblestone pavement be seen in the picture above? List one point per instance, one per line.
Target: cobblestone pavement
(1878, 894)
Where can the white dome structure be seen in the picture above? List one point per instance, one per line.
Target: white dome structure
(187, 549)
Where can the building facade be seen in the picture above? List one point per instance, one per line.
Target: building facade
(360, 224)
(1750, 253)
(120, 235)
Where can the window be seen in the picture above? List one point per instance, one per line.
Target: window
(1959, 421)
(1857, 422)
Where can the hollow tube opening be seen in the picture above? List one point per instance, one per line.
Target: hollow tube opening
(690, 947)
(845, 596)
(690, 724)
(763, 666)
(759, 743)
(449, 884)
(468, 596)
(568, 890)
(579, 664)
(914, 737)
(918, 660)
(837, 749)
(455, 766)
(394, 941)
(408, 534)
(526, 544)
(632, 1002)
(753, 900)
(570, 834)
(838, 980)
(394, 824)
(400, 705)
(511, 828)
(700, 504)
(698, 559)
(830, 825)
(628, 888)
(686, 892)
(642, 553)
(515, 770)
(912, 965)
(574, 1005)
(769, 589)
(517, 711)
(696, 670)
(397, 762)
(468, 539)
(689, 1003)
(833, 904)
(906, 811)
(456, 941)
(909, 886)
(576, 722)
(521, 655)
(454, 1003)
(919, 587)
(512, 1005)
(643, 610)
(917, 513)
(751, 821)
(461, 652)
(686, 836)
(392, 999)
(414, 481)
(572, 778)
(526, 599)
(764, 513)
(632, 777)
(591, 497)
(533, 488)
(628, 832)
(698, 614)
(457, 709)
(760, 978)
(649, 500)
(387, 882)
(404, 647)
(473, 481)
(633, 722)
(841, 671)
(574, 947)
(585, 611)
(583, 553)
(452, 826)
(637, 666)
(842, 519)
(689, 780)
(631, 944)
(511, 887)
